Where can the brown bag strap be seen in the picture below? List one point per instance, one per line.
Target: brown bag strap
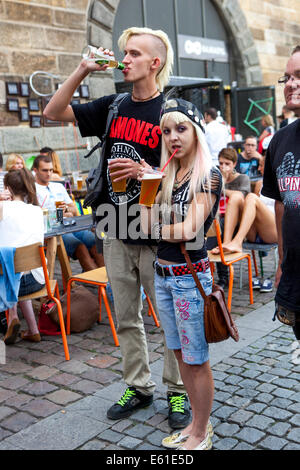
(189, 263)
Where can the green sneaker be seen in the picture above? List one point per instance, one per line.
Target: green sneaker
(179, 410)
(130, 401)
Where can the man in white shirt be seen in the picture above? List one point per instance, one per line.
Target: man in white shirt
(79, 245)
(217, 135)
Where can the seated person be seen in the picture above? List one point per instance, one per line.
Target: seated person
(237, 186)
(14, 162)
(249, 159)
(15, 233)
(269, 129)
(4, 193)
(256, 223)
(79, 245)
(57, 171)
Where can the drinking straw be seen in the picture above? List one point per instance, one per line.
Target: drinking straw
(44, 200)
(169, 160)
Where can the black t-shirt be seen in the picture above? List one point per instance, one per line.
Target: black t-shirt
(282, 183)
(248, 167)
(171, 251)
(134, 134)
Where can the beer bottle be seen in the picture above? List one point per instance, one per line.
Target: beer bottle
(92, 53)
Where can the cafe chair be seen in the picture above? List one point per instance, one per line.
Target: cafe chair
(95, 277)
(33, 256)
(228, 259)
(98, 277)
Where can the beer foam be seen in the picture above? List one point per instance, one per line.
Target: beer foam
(152, 176)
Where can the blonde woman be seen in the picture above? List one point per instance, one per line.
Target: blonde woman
(15, 162)
(188, 202)
(269, 129)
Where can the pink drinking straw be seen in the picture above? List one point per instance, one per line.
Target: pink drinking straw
(44, 200)
(169, 160)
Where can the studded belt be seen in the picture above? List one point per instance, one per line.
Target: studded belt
(164, 271)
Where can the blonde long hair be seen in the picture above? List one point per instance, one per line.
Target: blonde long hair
(163, 49)
(202, 162)
(11, 160)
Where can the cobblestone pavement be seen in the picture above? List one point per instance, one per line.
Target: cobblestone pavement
(49, 403)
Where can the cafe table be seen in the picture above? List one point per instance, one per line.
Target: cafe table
(55, 245)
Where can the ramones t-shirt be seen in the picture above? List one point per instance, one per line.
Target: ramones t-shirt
(135, 134)
(282, 183)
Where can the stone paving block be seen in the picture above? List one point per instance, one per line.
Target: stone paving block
(156, 437)
(42, 372)
(145, 413)
(294, 397)
(250, 373)
(250, 435)
(110, 436)
(294, 435)
(130, 442)
(4, 433)
(256, 407)
(222, 396)
(16, 367)
(248, 392)
(279, 429)
(13, 383)
(274, 411)
(241, 417)
(225, 444)
(19, 400)
(39, 388)
(243, 446)
(239, 402)
(273, 443)
(292, 446)
(264, 397)
(248, 383)
(265, 387)
(139, 431)
(6, 394)
(41, 408)
(63, 397)
(282, 392)
(73, 367)
(64, 379)
(281, 403)
(18, 421)
(227, 429)
(147, 446)
(5, 411)
(233, 379)
(285, 383)
(260, 422)
(44, 435)
(224, 412)
(93, 407)
(121, 425)
(102, 361)
(85, 386)
(295, 420)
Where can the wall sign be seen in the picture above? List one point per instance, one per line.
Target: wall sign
(193, 47)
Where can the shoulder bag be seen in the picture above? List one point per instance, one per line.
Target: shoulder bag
(218, 322)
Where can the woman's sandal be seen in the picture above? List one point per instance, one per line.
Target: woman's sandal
(32, 338)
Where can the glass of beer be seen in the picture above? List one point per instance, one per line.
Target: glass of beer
(58, 204)
(117, 186)
(150, 183)
(79, 182)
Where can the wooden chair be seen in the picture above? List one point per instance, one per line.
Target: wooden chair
(31, 257)
(228, 259)
(98, 277)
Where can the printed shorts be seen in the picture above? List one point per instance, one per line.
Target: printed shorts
(181, 310)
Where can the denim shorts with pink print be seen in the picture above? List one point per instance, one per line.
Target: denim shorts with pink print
(181, 310)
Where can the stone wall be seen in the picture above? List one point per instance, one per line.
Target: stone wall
(275, 27)
(49, 35)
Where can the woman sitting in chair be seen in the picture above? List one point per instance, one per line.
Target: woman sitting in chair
(256, 222)
(21, 224)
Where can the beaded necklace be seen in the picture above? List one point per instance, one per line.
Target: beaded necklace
(185, 177)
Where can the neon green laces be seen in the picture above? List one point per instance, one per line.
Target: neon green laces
(127, 395)
(177, 403)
